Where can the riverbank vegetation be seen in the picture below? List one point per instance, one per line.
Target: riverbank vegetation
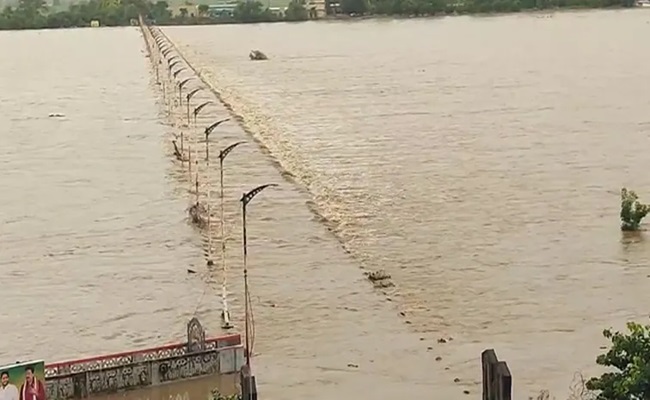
(627, 363)
(628, 359)
(34, 14)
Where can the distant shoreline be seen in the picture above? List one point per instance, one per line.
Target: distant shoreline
(367, 17)
(200, 21)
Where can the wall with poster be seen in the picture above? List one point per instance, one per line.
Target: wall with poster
(23, 381)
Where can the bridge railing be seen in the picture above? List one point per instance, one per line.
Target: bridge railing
(126, 358)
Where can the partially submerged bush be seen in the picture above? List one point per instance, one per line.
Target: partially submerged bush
(630, 357)
(632, 210)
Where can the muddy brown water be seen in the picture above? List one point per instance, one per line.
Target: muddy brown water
(477, 160)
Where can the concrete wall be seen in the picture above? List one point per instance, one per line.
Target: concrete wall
(149, 367)
(227, 360)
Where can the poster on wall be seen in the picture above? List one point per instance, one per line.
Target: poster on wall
(23, 381)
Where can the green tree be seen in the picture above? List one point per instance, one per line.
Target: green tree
(33, 14)
(203, 10)
(160, 12)
(32, 7)
(629, 355)
(632, 211)
(183, 12)
(296, 11)
(251, 11)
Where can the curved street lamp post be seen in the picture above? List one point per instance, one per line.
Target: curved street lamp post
(245, 199)
(225, 314)
(207, 133)
(198, 109)
(180, 90)
(188, 97)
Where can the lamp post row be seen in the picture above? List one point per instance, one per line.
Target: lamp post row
(165, 49)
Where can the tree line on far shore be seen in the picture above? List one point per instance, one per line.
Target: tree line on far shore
(35, 14)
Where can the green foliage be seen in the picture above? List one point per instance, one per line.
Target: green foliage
(159, 12)
(216, 395)
(34, 14)
(252, 11)
(632, 210)
(296, 11)
(629, 355)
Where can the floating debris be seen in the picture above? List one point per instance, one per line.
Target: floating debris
(198, 215)
(379, 275)
(56, 115)
(257, 55)
(380, 279)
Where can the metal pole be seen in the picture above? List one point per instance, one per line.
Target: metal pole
(196, 182)
(208, 194)
(246, 306)
(156, 59)
(189, 165)
(245, 199)
(164, 88)
(225, 323)
(222, 156)
(209, 130)
(207, 148)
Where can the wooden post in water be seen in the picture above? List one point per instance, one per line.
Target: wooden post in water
(497, 380)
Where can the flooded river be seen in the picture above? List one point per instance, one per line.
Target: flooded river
(477, 160)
